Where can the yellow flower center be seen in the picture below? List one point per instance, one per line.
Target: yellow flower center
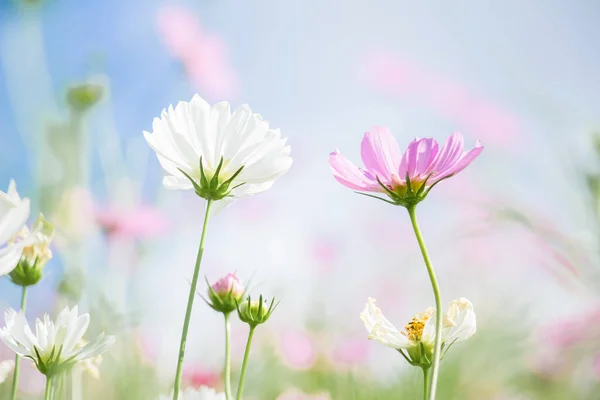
(414, 329)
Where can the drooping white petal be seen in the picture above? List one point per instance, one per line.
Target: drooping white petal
(463, 318)
(457, 324)
(382, 330)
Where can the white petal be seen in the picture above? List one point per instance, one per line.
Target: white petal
(462, 315)
(380, 329)
(95, 348)
(243, 139)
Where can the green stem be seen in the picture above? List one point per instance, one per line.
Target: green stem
(426, 379)
(15, 383)
(190, 303)
(245, 364)
(438, 305)
(227, 371)
(47, 396)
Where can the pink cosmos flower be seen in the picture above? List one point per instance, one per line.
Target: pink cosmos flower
(405, 178)
(203, 55)
(140, 222)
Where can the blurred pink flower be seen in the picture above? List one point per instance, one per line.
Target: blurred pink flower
(573, 330)
(295, 394)
(203, 55)
(596, 366)
(298, 350)
(423, 163)
(350, 351)
(391, 74)
(195, 377)
(141, 222)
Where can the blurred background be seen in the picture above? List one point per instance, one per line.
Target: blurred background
(516, 233)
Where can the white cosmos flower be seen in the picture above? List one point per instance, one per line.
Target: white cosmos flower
(14, 211)
(249, 151)
(6, 368)
(55, 346)
(204, 393)
(458, 324)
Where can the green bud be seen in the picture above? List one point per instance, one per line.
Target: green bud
(85, 96)
(225, 294)
(34, 257)
(256, 312)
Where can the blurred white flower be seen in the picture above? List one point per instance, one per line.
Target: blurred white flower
(14, 211)
(6, 368)
(220, 154)
(55, 345)
(418, 335)
(204, 393)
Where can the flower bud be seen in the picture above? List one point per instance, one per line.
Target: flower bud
(85, 96)
(225, 293)
(256, 312)
(35, 254)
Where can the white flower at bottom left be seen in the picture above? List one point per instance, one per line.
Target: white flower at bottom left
(56, 345)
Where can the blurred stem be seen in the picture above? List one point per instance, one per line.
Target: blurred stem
(438, 305)
(245, 364)
(190, 304)
(15, 383)
(227, 371)
(47, 396)
(426, 377)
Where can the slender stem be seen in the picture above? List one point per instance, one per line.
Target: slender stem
(15, 383)
(48, 394)
(426, 376)
(227, 371)
(438, 305)
(190, 304)
(245, 364)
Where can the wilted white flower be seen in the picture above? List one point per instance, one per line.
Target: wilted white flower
(6, 368)
(204, 393)
(55, 345)
(14, 211)
(418, 336)
(220, 154)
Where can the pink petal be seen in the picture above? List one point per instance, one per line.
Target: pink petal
(449, 154)
(348, 174)
(418, 158)
(380, 153)
(462, 163)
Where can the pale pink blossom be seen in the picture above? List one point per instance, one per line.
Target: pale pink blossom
(194, 376)
(140, 222)
(295, 394)
(298, 350)
(388, 171)
(351, 351)
(204, 55)
(397, 76)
